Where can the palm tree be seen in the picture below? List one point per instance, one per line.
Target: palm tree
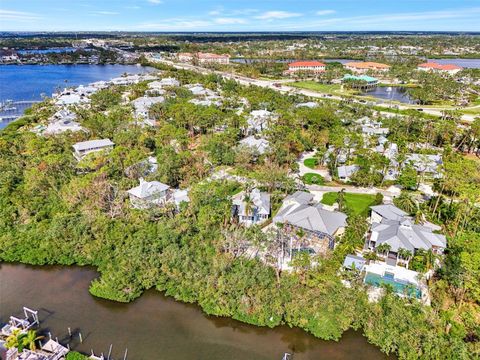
(13, 340)
(406, 202)
(383, 248)
(30, 339)
(405, 255)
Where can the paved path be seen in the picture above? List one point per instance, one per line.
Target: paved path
(302, 169)
(352, 189)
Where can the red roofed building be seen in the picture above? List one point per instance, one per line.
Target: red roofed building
(433, 66)
(306, 66)
(362, 67)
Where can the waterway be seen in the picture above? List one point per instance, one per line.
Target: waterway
(154, 326)
(31, 82)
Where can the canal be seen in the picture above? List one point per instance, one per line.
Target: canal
(154, 326)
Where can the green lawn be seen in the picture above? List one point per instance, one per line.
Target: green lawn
(355, 203)
(313, 179)
(334, 89)
(311, 163)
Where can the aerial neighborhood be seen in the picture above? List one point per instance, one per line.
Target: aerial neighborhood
(327, 183)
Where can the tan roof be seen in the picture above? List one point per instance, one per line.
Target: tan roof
(367, 65)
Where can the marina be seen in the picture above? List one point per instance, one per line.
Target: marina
(39, 81)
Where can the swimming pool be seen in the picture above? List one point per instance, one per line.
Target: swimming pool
(398, 286)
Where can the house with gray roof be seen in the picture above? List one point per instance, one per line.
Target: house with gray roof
(142, 106)
(149, 194)
(251, 208)
(392, 226)
(309, 226)
(387, 212)
(81, 149)
(345, 172)
(260, 145)
(354, 262)
(426, 164)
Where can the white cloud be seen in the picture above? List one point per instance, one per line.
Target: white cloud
(390, 21)
(273, 15)
(325, 12)
(104, 13)
(229, 21)
(175, 24)
(18, 15)
(155, 2)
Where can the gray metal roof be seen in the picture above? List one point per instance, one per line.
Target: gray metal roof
(313, 218)
(407, 236)
(92, 144)
(352, 261)
(389, 212)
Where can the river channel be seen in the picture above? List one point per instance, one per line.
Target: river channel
(154, 326)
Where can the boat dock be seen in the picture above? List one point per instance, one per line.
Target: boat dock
(47, 347)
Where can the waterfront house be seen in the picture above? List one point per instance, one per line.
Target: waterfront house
(259, 145)
(364, 67)
(70, 98)
(308, 226)
(81, 149)
(313, 67)
(450, 69)
(252, 207)
(404, 282)
(394, 228)
(354, 262)
(149, 194)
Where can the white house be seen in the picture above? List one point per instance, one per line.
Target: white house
(84, 148)
(252, 208)
(142, 106)
(149, 194)
(258, 121)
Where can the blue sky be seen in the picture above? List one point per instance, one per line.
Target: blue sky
(234, 15)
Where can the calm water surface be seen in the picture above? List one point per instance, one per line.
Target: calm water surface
(154, 326)
(394, 93)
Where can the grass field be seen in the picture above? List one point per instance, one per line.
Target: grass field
(313, 179)
(311, 163)
(334, 89)
(356, 203)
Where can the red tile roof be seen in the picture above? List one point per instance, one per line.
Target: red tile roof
(437, 66)
(306, 64)
(367, 65)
